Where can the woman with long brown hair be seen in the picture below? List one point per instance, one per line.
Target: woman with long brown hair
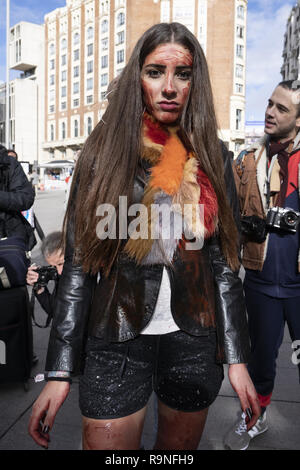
(168, 309)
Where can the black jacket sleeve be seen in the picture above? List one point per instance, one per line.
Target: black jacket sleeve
(74, 294)
(20, 194)
(231, 318)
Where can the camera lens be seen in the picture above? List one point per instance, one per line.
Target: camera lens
(290, 218)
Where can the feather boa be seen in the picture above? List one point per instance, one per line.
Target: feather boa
(177, 184)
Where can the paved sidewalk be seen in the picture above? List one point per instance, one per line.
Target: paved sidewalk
(15, 403)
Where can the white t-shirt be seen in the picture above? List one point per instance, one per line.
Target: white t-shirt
(162, 320)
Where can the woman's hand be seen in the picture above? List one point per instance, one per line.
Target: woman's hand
(243, 386)
(45, 409)
(32, 277)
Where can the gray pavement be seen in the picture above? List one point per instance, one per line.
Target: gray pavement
(15, 402)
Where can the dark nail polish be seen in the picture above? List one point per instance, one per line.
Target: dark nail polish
(46, 429)
(249, 413)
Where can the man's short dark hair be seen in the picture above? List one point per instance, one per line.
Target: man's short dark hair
(292, 85)
(51, 243)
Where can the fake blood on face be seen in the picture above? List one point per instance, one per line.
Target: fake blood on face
(166, 78)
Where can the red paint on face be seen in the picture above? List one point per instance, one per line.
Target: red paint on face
(166, 79)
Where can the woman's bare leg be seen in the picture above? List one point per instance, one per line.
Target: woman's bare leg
(178, 430)
(113, 434)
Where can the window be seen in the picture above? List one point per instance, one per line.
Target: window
(89, 99)
(51, 108)
(241, 12)
(51, 95)
(90, 33)
(63, 130)
(76, 39)
(63, 60)
(104, 44)
(63, 91)
(76, 54)
(237, 146)
(104, 79)
(63, 75)
(103, 95)
(89, 125)
(76, 71)
(75, 128)
(104, 61)
(120, 19)
(238, 119)
(104, 26)
(240, 51)
(90, 66)
(90, 49)
(52, 64)
(240, 32)
(120, 56)
(51, 132)
(51, 81)
(63, 105)
(63, 44)
(239, 88)
(89, 84)
(120, 37)
(52, 49)
(75, 88)
(239, 71)
(75, 103)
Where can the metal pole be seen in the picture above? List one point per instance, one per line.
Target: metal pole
(7, 139)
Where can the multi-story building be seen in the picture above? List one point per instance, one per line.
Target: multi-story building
(291, 46)
(26, 94)
(88, 42)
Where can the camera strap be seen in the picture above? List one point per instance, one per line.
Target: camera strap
(268, 179)
(253, 176)
(269, 169)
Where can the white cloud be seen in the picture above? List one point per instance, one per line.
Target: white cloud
(266, 28)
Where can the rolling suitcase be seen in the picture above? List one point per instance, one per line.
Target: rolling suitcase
(16, 337)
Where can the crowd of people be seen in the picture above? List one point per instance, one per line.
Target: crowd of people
(163, 307)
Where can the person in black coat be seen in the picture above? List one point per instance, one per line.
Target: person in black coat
(16, 195)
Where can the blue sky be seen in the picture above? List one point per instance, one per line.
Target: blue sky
(266, 26)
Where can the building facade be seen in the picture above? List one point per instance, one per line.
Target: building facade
(26, 93)
(291, 57)
(88, 42)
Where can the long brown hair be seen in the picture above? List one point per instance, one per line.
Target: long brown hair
(109, 159)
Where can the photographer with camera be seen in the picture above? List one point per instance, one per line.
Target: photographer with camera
(38, 277)
(267, 180)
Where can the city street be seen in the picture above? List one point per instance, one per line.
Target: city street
(15, 402)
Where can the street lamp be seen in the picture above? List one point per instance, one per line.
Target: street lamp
(7, 75)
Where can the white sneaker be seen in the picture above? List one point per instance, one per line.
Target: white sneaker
(238, 438)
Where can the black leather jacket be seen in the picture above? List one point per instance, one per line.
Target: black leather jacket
(205, 296)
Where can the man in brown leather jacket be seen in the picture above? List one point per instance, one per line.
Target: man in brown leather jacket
(267, 180)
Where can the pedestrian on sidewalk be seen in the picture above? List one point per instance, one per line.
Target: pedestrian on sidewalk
(267, 180)
(169, 308)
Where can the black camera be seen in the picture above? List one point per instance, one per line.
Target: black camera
(254, 228)
(46, 274)
(284, 219)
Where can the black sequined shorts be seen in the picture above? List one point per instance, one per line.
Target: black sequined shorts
(119, 378)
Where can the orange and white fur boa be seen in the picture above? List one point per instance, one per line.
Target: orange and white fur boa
(177, 181)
